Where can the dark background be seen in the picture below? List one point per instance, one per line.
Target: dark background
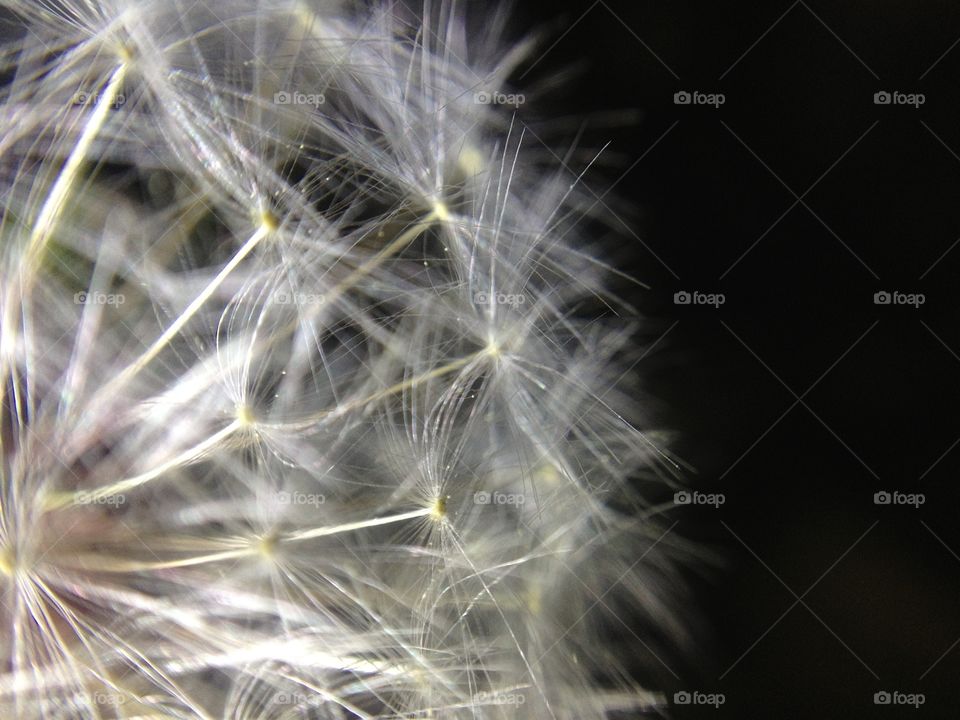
(798, 398)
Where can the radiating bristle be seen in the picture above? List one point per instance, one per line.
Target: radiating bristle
(304, 411)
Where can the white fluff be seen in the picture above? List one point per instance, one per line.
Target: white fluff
(312, 410)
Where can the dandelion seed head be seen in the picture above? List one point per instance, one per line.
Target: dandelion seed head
(374, 470)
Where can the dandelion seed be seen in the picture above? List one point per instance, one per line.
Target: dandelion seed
(303, 411)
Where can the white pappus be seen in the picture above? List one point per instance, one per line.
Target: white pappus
(313, 401)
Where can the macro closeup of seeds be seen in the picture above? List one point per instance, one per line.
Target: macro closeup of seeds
(317, 396)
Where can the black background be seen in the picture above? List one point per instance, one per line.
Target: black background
(712, 206)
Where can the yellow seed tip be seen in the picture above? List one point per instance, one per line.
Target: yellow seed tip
(266, 546)
(535, 599)
(440, 211)
(8, 564)
(438, 510)
(245, 415)
(269, 221)
(471, 161)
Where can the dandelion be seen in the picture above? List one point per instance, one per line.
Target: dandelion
(302, 409)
